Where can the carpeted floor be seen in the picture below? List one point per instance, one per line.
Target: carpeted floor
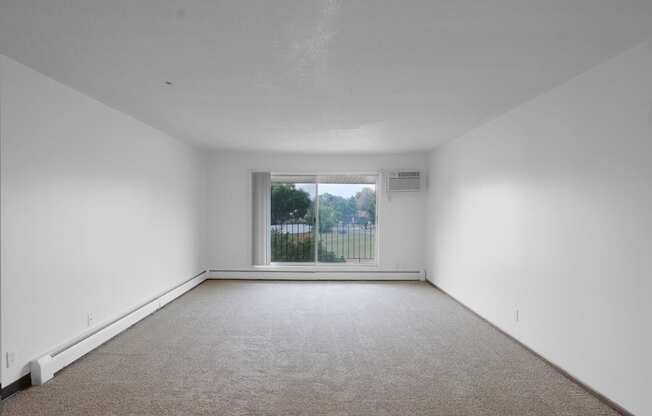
(304, 348)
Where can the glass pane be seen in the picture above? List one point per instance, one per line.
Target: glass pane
(292, 218)
(347, 222)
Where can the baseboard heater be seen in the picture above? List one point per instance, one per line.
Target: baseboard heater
(44, 368)
(264, 273)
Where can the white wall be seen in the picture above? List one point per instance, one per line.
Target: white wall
(401, 220)
(548, 210)
(99, 213)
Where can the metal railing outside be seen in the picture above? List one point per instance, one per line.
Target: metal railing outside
(350, 243)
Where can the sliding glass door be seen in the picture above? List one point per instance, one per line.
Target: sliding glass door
(323, 219)
(347, 219)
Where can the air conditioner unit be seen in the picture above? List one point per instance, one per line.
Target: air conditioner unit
(404, 181)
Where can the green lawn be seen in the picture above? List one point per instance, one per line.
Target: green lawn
(351, 246)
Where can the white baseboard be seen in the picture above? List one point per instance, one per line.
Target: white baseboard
(290, 273)
(43, 368)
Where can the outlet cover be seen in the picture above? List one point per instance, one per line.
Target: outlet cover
(11, 357)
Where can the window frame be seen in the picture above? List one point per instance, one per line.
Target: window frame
(316, 263)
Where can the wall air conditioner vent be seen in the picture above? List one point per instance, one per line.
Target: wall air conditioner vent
(404, 181)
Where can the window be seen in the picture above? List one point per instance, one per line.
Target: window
(322, 219)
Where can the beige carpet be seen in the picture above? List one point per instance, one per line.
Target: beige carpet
(301, 348)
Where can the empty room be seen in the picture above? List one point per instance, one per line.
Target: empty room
(326, 207)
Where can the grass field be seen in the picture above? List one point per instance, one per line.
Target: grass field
(356, 246)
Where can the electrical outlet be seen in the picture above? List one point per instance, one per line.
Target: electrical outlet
(10, 359)
(516, 317)
(90, 319)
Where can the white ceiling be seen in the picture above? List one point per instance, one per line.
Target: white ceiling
(322, 76)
